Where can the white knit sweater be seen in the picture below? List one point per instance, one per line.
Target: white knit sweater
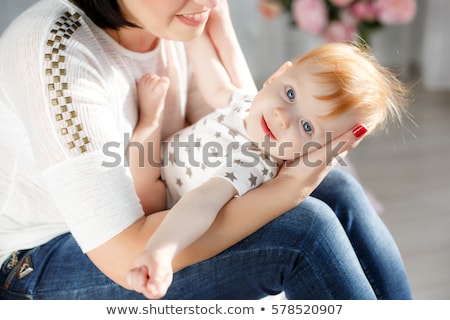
(68, 104)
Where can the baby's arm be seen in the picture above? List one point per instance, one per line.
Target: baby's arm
(144, 149)
(187, 221)
(223, 36)
(212, 79)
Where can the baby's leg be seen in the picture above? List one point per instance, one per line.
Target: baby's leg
(144, 150)
(152, 91)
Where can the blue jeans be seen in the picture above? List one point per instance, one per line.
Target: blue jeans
(332, 246)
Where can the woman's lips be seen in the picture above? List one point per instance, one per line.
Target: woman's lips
(266, 129)
(194, 19)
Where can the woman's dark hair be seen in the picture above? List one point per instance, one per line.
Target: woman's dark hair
(106, 14)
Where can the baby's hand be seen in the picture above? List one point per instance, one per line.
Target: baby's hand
(152, 90)
(152, 275)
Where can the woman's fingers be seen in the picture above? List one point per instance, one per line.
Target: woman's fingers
(335, 150)
(310, 169)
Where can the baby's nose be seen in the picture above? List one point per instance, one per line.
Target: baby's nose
(283, 117)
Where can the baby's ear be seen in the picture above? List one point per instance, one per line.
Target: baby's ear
(277, 73)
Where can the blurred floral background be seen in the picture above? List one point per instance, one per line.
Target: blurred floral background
(341, 20)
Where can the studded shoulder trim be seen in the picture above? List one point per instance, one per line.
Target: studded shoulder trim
(61, 102)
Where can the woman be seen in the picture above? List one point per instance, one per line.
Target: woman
(67, 190)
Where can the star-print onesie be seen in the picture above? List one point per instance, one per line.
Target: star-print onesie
(216, 146)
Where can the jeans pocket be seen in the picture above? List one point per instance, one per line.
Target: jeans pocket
(18, 265)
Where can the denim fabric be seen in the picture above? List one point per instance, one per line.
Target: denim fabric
(332, 246)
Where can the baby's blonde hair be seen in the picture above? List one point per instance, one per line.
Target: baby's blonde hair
(358, 83)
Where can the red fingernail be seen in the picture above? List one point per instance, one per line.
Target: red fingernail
(359, 131)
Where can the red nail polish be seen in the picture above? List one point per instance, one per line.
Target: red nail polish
(359, 131)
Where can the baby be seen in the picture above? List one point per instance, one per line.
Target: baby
(301, 107)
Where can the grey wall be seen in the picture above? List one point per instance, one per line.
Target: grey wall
(9, 9)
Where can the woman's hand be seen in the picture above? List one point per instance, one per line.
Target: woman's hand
(309, 170)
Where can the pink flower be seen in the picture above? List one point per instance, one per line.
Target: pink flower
(395, 11)
(342, 20)
(341, 30)
(270, 9)
(310, 15)
(348, 18)
(341, 3)
(364, 11)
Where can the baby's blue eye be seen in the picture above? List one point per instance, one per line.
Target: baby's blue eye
(307, 126)
(290, 93)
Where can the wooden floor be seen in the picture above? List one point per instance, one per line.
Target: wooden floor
(408, 172)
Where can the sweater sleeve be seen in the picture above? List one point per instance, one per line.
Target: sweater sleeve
(60, 87)
(97, 202)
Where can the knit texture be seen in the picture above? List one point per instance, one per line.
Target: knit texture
(68, 105)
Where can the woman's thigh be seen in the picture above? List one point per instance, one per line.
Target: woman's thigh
(305, 253)
(370, 238)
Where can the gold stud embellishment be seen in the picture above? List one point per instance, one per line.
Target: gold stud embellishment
(58, 87)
